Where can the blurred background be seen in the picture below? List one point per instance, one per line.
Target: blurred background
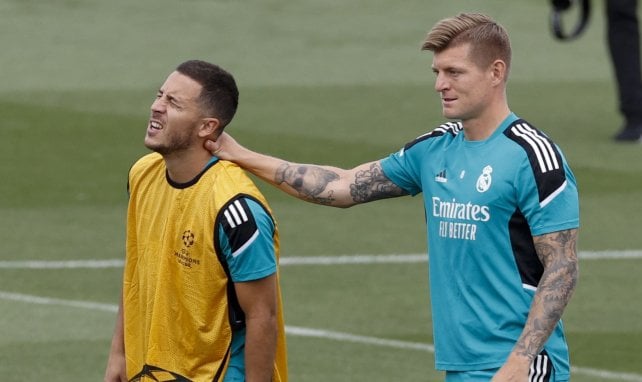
(334, 82)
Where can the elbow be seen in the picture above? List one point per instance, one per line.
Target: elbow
(345, 205)
(265, 325)
(266, 320)
(568, 278)
(572, 269)
(330, 201)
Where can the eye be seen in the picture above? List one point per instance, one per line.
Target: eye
(175, 104)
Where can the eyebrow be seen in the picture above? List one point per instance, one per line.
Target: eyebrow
(447, 68)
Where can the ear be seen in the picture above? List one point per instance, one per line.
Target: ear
(498, 72)
(210, 128)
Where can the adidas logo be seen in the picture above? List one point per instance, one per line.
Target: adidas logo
(441, 177)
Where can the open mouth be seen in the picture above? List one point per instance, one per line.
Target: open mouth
(155, 125)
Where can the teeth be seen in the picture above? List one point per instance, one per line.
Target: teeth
(155, 125)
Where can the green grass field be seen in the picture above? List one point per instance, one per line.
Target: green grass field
(336, 82)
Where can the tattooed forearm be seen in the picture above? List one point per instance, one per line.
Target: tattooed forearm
(309, 181)
(557, 252)
(372, 184)
(330, 186)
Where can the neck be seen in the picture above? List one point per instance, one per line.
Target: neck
(484, 125)
(186, 165)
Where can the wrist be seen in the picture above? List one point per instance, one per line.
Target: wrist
(521, 358)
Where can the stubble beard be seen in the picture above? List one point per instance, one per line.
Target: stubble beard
(175, 144)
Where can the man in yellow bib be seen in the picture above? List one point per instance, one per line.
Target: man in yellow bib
(201, 298)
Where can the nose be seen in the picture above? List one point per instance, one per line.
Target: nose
(441, 83)
(158, 105)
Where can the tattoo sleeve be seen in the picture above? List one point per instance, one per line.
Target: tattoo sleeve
(557, 252)
(372, 184)
(312, 183)
(309, 181)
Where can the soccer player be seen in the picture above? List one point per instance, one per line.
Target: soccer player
(201, 298)
(501, 206)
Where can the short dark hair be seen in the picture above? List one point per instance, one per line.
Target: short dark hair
(219, 97)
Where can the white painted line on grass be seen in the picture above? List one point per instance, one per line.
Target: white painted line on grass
(62, 264)
(423, 257)
(30, 299)
(608, 255)
(295, 260)
(347, 337)
(354, 259)
(310, 332)
(603, 374)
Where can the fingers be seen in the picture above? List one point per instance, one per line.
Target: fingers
(211, 146)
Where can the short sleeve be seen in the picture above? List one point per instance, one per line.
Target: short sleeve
(404, 168)
(546, 208)
(246, 238)
(400, 169)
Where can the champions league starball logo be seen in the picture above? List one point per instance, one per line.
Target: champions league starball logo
(188, 238)
(183, 256)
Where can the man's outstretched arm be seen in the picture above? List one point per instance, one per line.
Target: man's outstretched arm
(325, 185)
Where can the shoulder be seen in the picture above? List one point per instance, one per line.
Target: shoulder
(543, 154)
(231, 179)
(544, 158)
(243, 208)
(146, 163)
(230, 171)
(243, 220)
(148, 160)
(232, 183)
(447, 130)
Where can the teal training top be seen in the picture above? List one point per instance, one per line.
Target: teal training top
(484, 202)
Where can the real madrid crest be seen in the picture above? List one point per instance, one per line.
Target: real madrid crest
(484, 180)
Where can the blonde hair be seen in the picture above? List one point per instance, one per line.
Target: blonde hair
(488, 40)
